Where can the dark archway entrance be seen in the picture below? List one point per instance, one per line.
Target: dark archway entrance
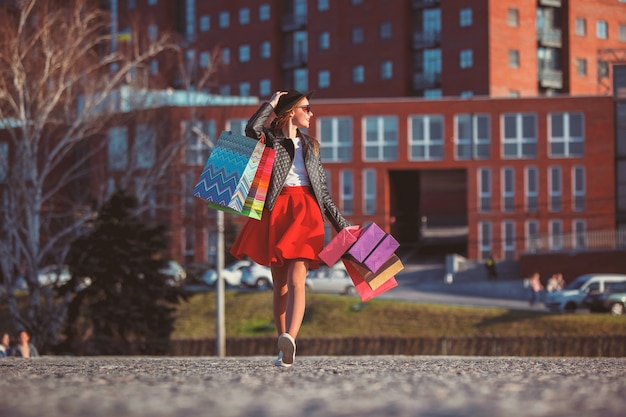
(429, 211)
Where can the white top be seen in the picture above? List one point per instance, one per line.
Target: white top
(297, 173)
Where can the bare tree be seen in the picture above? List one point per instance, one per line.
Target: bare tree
(65, 80)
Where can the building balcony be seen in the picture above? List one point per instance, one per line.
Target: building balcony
(551, 78)
(420, 4)
(549, 37)
(550, 3)
(422, 80)
(293, 22)
(422, 40)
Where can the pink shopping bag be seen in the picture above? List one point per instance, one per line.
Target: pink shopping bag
(338, 245)
(362, 287)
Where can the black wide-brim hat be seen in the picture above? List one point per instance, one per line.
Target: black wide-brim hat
(287, 101)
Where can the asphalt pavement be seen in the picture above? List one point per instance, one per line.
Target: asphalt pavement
(365, 386)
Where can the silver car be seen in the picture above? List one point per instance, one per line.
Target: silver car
(333, 280)
(257, 276)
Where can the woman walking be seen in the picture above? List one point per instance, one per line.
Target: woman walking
(290, 234)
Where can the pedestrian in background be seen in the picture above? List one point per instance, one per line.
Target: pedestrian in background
(536, 287)
(290, 234)
(490, 265)
(5, 347)
(23, 348)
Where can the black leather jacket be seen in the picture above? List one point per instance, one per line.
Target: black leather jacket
(284, 159)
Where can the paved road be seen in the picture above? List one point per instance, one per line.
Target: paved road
(365, 386)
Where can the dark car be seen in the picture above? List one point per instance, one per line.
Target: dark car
(613, 299)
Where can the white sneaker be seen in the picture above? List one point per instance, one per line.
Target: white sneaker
(287, 346)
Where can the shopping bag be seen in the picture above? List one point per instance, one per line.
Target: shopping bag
(230, 170)
(253, 206)
(373, 247)
(389, 269)
(362, 287)
(339, 245)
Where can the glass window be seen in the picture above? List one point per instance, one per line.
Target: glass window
(190, 20)
(323, 79)
(512, 17)
(225, 90)
(237, 125)
(226, 55)
(579, 237)
(357, 35)
(144, 146)
(578, 188)
(347, 192)
(224, 19)
(358, 74)
(244, 53)
(581, 26)
(244, 16)
(465, 17)
(322, 5)
(205, 59)
(426, 137)
(205, 23)
(154, 66)
(556, 235)
(602, 29)
(581, 66)
(153, 32)
(385, 30)
(335, 134)
(555, 188)
(566, 135)
(508, 239)
(484, 239)
(622, 32)
(4, 161)
(264, 87)
(472, 136)
(266, 49)
(117, 148)
(386, 70)
(508, 189)
(369, 191)
(531, 184)
(532, 235)
(264, 12)
(200, 136)
(244, 89)
(519, 136)
(484, 189)
(324, 40)
(514, 58)
(381, 138)
(301, 79)
(466, 58)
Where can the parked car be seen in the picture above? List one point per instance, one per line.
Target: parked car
(333, 280)
(257, 276)
(175, 272)
(613, 299)
(571, 297)
(231, 274)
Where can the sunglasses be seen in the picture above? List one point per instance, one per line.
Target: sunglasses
(307, 108)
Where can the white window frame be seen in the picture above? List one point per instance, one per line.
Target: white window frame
(579, 234)
(555, 189)
(385, 144)
(485, 239)
(346, 187)
(508, 195)
(555, 234)
(336, 143)
(567, 141)
(433, 146)
(508, 239)
(369, 191)
(478, 147)
(532, 235)
(484, 189)
(531, 189)
(522, 143)
(579, 188)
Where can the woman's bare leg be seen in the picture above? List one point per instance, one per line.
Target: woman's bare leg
(296, 295)
(279, 277)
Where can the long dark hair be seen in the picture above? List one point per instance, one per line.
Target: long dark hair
(279, 122)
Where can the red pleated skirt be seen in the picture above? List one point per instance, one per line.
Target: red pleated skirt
(294, 229)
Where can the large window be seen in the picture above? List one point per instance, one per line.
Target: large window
(531, 184)
(266, 49)
(386, 70)
(465, 17)
(117, 148)
(466, 58)
(200, 137)
(426, 138)
(335, 134)
(508, 189)
(579, 235)
(580, 26)
(532, 235)
(347, 192)
(602, 29)
(508, 239)
(484, 189)
(324, 40)
(244, 53)
(381, 138)
(555, 188)
(519, 136)
(264, 12)
(369, 191)
(578, 188)
(358, 74)
(473, 137)
(224, 19)
(144, 147)
(323, 79)
(556, 234)
(566, 134)
(244, 16)
(485, 239)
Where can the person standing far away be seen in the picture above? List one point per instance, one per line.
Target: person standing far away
(490, 265)
(5, 348)
(290, 234)
(23, 348)
(535, 288)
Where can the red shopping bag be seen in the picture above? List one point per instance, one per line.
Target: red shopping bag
(339, 245)
(362, 287)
